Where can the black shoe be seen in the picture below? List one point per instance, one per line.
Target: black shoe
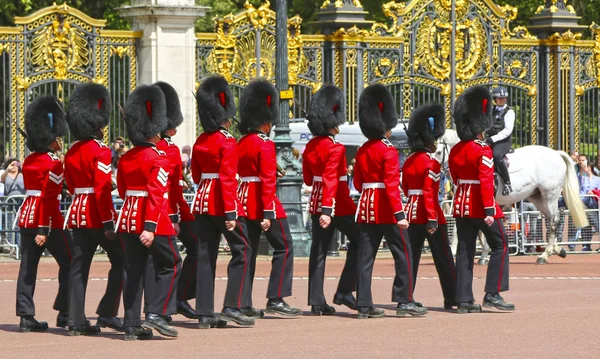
(168, 318)
(449, 304)
(29, 324)
(507, 189)
(85, 329)
(279, 306)
(252, 312)
(324, 309)
(158, 322)
(110, 322)
(236, 316)
(185, 309)
(464, 308)
(346, 299)
(495, 300)
(62, 319)
(370, 312)
(418, 304)
(137, 333)
(410, 308)
(207, 321)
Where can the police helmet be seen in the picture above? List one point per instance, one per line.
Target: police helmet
(499, 92)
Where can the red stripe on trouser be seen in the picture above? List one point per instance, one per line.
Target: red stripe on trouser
(67, 245)
(245, 263)
(287, 251)
(410, 284)
(446, 247)
(174, 276)
(503, 254)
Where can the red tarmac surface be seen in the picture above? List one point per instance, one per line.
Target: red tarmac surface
(557, 316)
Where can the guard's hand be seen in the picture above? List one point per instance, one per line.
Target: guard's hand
(324, 221)
(489, 220)
(489, 141)
(403, 224)
(147, 238)
(265, 224)
(230, 225)
(40, 240)
(431, 230)
(110, 235)
(177, 228)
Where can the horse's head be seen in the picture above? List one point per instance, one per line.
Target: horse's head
(444, 145)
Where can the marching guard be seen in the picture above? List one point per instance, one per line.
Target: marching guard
(330, 205)
(145, 222)
(380, 213)
(40, 219)
(91, 216)
(471, 166)
(421, 185)
(217, 208)
(257, 168)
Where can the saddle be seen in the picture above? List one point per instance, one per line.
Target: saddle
(505, 158)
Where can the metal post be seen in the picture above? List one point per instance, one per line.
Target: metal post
(453, 55)
(572, 145)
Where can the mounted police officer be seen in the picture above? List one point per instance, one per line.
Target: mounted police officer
(500, 135)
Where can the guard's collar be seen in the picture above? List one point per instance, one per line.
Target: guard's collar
(144, 144)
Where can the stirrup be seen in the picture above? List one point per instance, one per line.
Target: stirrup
(507, 189)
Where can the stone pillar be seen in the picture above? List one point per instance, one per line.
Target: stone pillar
(167, 51)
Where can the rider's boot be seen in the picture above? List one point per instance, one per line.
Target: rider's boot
(507, 189)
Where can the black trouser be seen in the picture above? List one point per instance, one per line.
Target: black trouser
(441, 253)
(167, 263)
(282, 265)
(85, 242)
(500, 149)
(399, 244)
(58, 244)
(321, 239)
(497, 271)
(238, 283)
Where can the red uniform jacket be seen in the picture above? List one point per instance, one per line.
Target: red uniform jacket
(170, 148)
(472, 169)
(257, 168)
(143, 183)
(324, 168)
(88, 173)
(43, 177)
(214, 168)
(377, 175)
(421, 184)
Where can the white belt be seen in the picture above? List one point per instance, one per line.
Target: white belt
(415, 192)
(373, 185)
(461, 181)
(135, 193)
(33, 193)
(84, 190)
(209, 176)
(250, 179)
(320, 178)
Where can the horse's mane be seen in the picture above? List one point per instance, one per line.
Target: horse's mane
(450, 137)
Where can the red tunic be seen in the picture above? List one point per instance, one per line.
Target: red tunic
(177, 183)
(43, 177)
(324, 168)
(143, 183)
(472, 169)
(214, 168)
(88, 174)
(257, 168)
(377, 175)
(421, 184)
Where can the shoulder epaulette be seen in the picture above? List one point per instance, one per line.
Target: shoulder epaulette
(162, 153)
(226, 134)
(53, 156)
(481, 143)
(264, 137)
(387, 142)
(169, 142)
(100, 143)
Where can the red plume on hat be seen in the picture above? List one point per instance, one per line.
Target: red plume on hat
(473, 112)
(326, 110)
(145, 113)
(215, 103)
(376, 111)
(259, 104)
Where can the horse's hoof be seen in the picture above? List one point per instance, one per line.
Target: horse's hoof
(541, 260)
(482, 262)
(562, 253)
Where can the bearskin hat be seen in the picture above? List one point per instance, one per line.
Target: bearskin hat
(473, 112)
(259, 104)
(327, 110)
(145, 113)
(215, 103)
(174, 115)
(376, 111)
(426, 124)
(44, 122)
(89, 110)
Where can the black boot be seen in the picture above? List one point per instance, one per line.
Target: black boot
(29, 324)
(464, 308)
(448, 304)
(370, 312)
(346, 299)
(185, 309)
(62, 319)
(410, 308)
(207, 321)
(495, 300)
(507, 189)
(85, 329)
(418, 304)
(252, 312)
(236, 316)
(110, 322)
(158, 322)
(324, 309)
(137, 333)
(279, 306)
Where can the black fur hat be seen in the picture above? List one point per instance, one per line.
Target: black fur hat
(327, 110)
(174, 115)
(376, 111)
(215, 103)
(426, 124)
(89, 110)
(259, 104)
(145, 113)
(473, 112)
(44, 122)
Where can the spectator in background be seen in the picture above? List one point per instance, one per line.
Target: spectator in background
(596, 167)
(118, 149)
(12, 178)
(575, 160)
(187, 150)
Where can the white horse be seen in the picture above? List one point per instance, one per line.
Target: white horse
(539, 174)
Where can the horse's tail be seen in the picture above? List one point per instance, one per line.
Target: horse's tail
(570, 191)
